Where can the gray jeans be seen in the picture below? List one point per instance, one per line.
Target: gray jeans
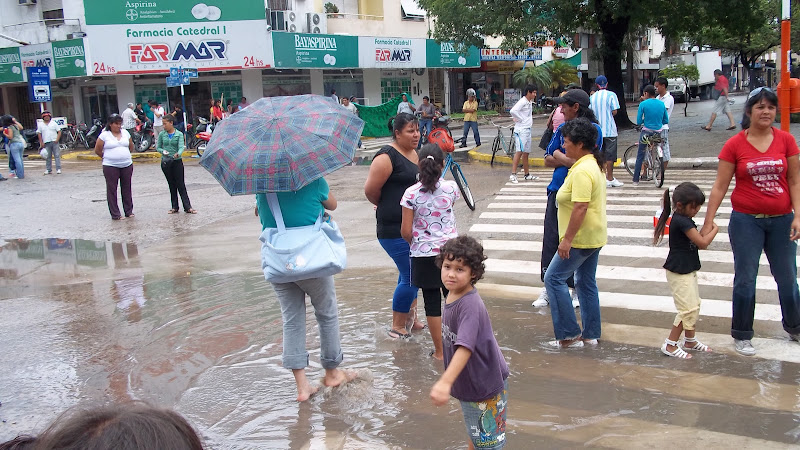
(292, 297)
(53, 150)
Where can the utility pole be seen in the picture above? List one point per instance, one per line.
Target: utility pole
(784, 92)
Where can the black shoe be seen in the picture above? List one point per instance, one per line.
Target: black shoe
(463, 144)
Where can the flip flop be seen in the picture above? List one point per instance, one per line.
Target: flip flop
(172, 211)
(706, 128)
(732, 127)
(191, 211)
(394, 334)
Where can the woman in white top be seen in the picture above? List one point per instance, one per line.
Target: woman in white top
(115, 145)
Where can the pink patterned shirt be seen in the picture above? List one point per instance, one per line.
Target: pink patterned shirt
(434, 219)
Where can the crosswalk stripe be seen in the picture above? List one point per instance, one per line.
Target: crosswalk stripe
(652, 202)
(538, 229)
(628, 251)
(543, 206)
(609, 217)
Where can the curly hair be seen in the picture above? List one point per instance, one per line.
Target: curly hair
(466, 250)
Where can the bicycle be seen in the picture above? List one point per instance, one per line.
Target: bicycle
(653, 164)
(71, 136)
(461, 181)
(499, 142)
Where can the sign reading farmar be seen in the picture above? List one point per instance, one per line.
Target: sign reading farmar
(295, 50)
(446, 54)
(132, 49)
(119, 12)
(391, 53)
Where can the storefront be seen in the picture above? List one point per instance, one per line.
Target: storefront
(276, 83)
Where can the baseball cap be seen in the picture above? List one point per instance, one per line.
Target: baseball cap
(46, 113)
(573, 96)
(601, 80)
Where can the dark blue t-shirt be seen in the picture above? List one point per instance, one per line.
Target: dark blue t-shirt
(557, 143)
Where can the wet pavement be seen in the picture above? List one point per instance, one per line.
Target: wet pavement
(174, 310)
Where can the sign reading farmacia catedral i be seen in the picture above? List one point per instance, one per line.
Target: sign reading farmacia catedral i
(157, 35)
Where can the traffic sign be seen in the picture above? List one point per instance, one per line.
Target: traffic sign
(184, 78)
(174, 71)
(192, 72)
(39, 84)
(173, 81)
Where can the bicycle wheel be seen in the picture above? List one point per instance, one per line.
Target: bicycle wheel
(657, 168)
(496, 146)
(458, 176)
(629, 158)
(512, 145)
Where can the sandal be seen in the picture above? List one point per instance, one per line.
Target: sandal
(706, 128)
(172, 211)
(117, 218)
(394, 334)
(677, 353)
(697, 346)
(190, 211)
(732, 127)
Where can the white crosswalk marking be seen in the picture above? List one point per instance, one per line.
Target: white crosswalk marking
(629, 274)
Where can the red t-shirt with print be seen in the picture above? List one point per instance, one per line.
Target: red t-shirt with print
(721, 84)
(761, 183)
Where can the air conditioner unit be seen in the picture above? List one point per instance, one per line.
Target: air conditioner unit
(27, 2)
(294, 24)
(317, 23)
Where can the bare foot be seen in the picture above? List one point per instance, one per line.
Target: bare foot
(338, 377)
(439, 356)
(305, 392)
(418, 326)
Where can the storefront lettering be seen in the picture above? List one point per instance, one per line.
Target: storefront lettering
(314, 43)
(387, 55)
(180, 31)
(448, 47)
(9, 59)
(141, 5)
(68, 52)
(149, 33)
(157, 53)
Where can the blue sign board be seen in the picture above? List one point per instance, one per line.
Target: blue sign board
(191, 72)
(39, 84)
(173, 81)
(184, 78)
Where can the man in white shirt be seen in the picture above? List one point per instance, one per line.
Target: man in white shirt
(605, 104)
(669, 103)
(158, 115)
(49, 134)
(522, 113)
(348, 105)
(129, 119)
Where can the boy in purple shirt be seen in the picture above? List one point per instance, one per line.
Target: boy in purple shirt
(475, 370)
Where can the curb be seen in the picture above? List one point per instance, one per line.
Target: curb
(90, 156)
(533, 162)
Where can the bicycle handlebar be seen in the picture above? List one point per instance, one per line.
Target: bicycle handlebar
(502, 126)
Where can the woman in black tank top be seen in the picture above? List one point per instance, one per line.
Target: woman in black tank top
(392, 171)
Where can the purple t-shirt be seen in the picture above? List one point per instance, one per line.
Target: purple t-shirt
(465, 323)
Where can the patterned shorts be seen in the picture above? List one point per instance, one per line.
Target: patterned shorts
(486, 420)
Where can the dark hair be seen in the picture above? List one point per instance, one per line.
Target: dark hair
(581, 130)
(650, 90)
(584, 111)
(426, 98)
(399, 122)
(21, 442)
(766, 94)
(687, 194)
(717, 72)
(152, 102)
(466, 250)
(431, 163)
(662, 81)
(6, 120)
(530, 88)
(169, 118)
(131, 426)
(114, 118)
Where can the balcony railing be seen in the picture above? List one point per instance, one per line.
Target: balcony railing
(57, 29)
(340, 15)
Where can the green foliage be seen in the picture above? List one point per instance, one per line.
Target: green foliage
(681, 70)
(561, 74)
(331, 8)
(536, 75)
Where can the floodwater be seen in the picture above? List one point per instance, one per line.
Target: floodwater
(196, 328)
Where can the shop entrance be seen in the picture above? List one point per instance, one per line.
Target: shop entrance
(99, 102)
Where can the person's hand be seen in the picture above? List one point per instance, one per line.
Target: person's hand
(563, 248)
(440, 393)
(707, 227)
(794, 233)
(256, 210)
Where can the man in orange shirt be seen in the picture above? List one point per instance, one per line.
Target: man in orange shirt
(721, 95)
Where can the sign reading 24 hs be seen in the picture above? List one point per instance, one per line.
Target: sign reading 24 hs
(158, 53)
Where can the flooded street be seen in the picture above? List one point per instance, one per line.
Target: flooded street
(187, 321)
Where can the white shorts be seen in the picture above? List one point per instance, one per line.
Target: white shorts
(524, 136)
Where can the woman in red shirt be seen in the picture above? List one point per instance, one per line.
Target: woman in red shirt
(216, 111)
(765, 216)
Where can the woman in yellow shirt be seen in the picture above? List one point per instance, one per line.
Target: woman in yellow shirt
(582, 233)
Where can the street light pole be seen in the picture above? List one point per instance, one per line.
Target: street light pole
(784, 92)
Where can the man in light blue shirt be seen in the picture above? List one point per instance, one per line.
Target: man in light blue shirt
(652, 115)
(605, 105)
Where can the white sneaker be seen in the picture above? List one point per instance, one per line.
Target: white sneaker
(513, 178)
(529, 177)
(58, 171)
(636, 183)
(744, 347)
(542, 301)
(47, 172)
(614, 183)
(575, 302)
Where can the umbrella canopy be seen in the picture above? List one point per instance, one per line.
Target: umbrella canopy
(280, 144)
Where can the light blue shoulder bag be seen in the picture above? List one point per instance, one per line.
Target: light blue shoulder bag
(301, 253)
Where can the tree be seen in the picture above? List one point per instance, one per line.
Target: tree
(514, 20)
(686, 72)
(561, 74)
(535, 75)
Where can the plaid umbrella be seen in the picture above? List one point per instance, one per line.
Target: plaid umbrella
(280, 144)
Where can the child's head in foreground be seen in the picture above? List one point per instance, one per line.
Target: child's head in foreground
(466, 251)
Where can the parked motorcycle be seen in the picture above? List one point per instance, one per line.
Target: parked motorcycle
(31, 138)
(94, 132)
(143, 137)
(200, 135)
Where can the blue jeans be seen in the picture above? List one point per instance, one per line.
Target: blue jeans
(404, 294)
(640, 154)
(749, 236)
(292, 298)
(583, 263)
(425, 127)
(475, 133)
(15, 153)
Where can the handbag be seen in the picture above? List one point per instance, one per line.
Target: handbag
(546, 138)
(301, 253)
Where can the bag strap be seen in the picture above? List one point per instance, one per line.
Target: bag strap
(275, 208)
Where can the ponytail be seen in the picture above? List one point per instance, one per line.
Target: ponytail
(431, 163)
(661, 225)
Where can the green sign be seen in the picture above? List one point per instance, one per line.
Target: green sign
(128, 12)
(323, 51)
(10, 67)
(70, 58)
(445, 54)
(30, 249)
(91, 253)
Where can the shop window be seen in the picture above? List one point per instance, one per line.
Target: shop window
(348, 83)
(410, 10)
(283, 84)
(157, 92)
(99, 102)
(227, 91)
(53, 17)
(392, 87)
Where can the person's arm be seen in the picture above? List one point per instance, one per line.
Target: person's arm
(405, 227)
(330, 204)
(58, 136)
(515, 112)
(159, 145)
(98, 147)
(181, 145)
(562, 159)
(379, 172)
(702, 241)
(665, 117)
(411, 105)
(157, 113)
(793, 177)
(725, 172)
(575, 220)
(614, 112)
(640, 115)
(130, 141)
(39, 136)
(440, 392)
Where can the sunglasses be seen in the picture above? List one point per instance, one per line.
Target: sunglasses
(755, 91)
